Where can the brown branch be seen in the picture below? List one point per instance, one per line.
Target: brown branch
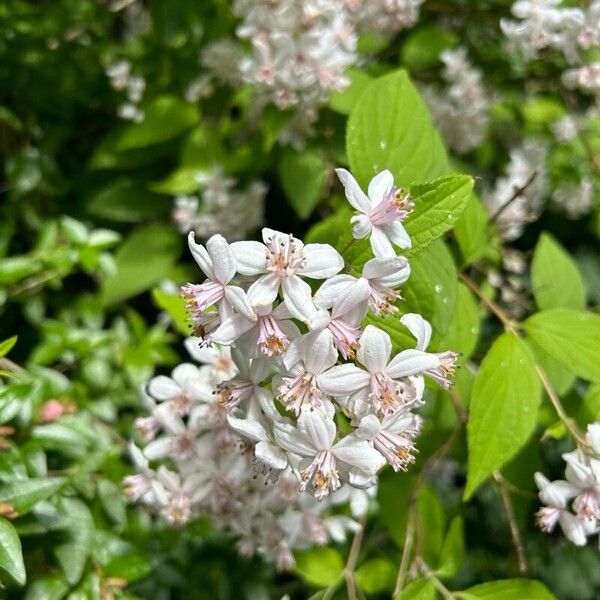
(515, 195)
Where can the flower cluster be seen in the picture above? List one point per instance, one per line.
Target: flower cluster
(574, 503)
(388, 16)
(461, 110)
(518, 197)
(123, 80)
(296, 390)
(220, 207)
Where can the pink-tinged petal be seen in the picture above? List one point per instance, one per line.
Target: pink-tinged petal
(264, 290)
(355, 196)
(380, 243)
(375, 349)
(251, 257)
(361, 227)
(201, 256)
(419, 327)
(378, 268)
(163, 388)
(168, 420)
(396, 233)
(159, 448)
(292, 440)
(271, 455)
(318, 428)
(231, 329)
(343, 380)
(321, 353)
(331, 289)
(379, 186)
(248, 428)
(322, 261)
(573, 528)
(358, 453)
(222, 258)
(411, 362)
(169, 479)
(297, 296)
(237, 298)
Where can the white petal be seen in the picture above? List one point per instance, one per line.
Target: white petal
(201, 256)
(264, 290)
(251, 257)
(321, 353)
(397, 234)
(368, 428)
(358, 453)
(343, 380)
(222, 258)
(182, 373)
(355, 294)
(331, 289)
(231, 329)
(248, 428)
(380, 243)
(260, 369)
(292, 440)
(163, 388)
(318, 428)
(354, 194)
(297, 296)
(322, 261)
(411, 362)
(379, 186)
(361, 227)
(573, 528)
(419, 327)
(376, 268)
(375, 349)
(593, 434)
(237, 298)
(271, 455)
(201, 354)
(158, 448)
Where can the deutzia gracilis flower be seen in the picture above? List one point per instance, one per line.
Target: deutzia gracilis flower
(381, 211)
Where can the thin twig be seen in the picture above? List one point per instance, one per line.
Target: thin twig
(352, 558)
(515, 195)
(439, 586)
(404, 561)
(512, 522)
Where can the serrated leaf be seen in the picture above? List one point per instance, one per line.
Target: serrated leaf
(511, 589)
(438, 206)
(555, 278)
(572, 337)
(11, 555)
(503, 411)
(390, 128)
(303, 176)
(23, 494)
(147, 256)
(320, 566)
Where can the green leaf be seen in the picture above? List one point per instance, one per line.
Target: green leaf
(183, 180)
(52, 587)
(431, 520)
(471, 231)
(7, 345)
(113, 501)
(126, 201)
(147, 256)
(130, 567)
(589, 411)
(23, 494)
(320, 566)
(463, 331)
(453, 550)
(438, 205)
(423, 46)
(560, 377)
(572, 337)
(376, 575)
(555, 278)
(303, 176)
(15, 268)
(419, 589)
(165, 118)
(174, 306)
(504, 402)
(511, 589)
(390, 128)
(72, 555)
(343, 102)
(11, 555)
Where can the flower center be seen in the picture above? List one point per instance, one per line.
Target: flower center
(231, 393)
(345, 337)
(396, 205)
(179, 510)
(386, 394)
(546, 518)
(322, 473)
(297, 391)
(271, 339)
(284, 255)
(181, 404)
(200, 297)
(382, 300)
(397, 450)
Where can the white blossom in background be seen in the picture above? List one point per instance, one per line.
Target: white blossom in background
(574, 503)
(565, 130)
(518, 197)
(133, 86)
(575, 200)
(388, 16)
(277, 426)
(220, 207)
(461, 109)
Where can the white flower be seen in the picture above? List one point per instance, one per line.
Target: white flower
(281, 262)
(381, 211)
(217, 261)
(307, 358)
(325, 461)
(216, 358)
(378, 384)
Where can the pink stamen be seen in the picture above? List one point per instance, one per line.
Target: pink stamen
(231, 393)
(395, 206)
(446, 369)
(382, 300)
(386, 394)
(345, 337)
(396, 449)
(284, 256)
(200, 297)
(547, 518)
(298, 391)
(322, 470)
(271, 339)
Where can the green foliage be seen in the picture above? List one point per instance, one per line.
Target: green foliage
(510, 589)
(503, 409)
(320, 566)
(11, 556)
